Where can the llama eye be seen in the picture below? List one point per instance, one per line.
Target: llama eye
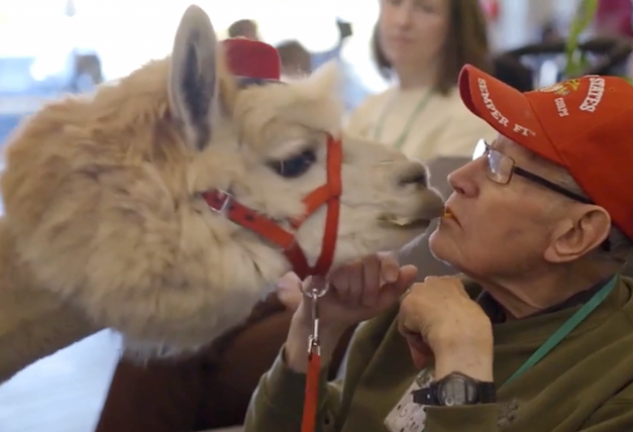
(296, 165)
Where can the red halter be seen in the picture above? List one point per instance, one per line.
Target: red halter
(329, 194)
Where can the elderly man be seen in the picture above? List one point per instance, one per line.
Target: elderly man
(538, 334)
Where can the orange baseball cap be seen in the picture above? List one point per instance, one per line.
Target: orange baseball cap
(583, 124)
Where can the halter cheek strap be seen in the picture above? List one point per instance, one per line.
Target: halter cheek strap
(328, 194)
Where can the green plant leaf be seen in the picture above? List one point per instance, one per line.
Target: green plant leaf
(586, 12)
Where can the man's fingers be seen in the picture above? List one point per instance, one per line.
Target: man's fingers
(391, 292)
(290, 299)
(356, 282)
(421, 353)
(340, 279)
(372, 281)
(289, 281)
(420, 359)
(389, 267)
(406, 277)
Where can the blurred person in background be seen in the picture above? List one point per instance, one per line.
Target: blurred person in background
(244, 28)
(614, 19)
(87, 72)
(422, 45)
(550, 32)
(296, 61)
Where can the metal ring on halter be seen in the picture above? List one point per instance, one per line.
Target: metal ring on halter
(316, 293)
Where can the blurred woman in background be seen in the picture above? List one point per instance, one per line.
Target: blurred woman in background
(422, 45)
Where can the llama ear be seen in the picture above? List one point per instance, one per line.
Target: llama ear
(193, 77)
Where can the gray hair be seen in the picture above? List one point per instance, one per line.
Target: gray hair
(621, 246)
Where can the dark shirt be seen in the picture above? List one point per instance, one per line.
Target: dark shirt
(497, 315)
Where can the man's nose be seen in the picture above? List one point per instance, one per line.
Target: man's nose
(464, 180)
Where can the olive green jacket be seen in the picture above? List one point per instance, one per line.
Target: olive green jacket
(585, 384)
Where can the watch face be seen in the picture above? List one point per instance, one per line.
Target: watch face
(457, 391)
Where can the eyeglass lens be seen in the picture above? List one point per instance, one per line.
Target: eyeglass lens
(499, 166)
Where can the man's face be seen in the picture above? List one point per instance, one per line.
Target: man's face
(499, 229)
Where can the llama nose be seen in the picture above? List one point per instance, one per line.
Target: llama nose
(415, 174)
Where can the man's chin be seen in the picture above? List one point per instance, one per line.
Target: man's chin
(439, 247)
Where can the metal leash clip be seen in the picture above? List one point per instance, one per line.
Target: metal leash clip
(314, 294)
(308, 423)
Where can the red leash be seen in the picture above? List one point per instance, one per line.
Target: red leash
(311, 399)
(329, 195)
(308, 423)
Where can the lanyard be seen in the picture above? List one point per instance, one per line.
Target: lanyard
(424, 101)
(314, 354)
(565, 329)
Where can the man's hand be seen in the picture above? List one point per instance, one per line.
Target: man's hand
(359, 291)
(289, 292)
(439, 319)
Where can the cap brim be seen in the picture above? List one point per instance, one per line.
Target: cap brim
(506, 109)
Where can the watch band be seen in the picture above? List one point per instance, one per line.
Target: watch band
(472, 392)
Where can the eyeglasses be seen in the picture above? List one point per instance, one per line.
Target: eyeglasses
(502, 167)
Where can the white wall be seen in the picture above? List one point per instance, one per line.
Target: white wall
(520, 21)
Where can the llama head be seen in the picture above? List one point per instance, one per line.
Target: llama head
(279, 155)
(104, 194)
(283, 130)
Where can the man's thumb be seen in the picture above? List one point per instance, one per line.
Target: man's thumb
(420, 352)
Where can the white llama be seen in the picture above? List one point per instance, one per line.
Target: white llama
(106, 223)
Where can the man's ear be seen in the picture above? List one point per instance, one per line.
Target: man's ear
(193, 77)
(584, 231)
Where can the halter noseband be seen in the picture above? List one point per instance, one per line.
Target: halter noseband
(328, 194)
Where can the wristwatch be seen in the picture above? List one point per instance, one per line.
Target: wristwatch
(456, 389)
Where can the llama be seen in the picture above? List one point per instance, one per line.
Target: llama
(106, 220)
